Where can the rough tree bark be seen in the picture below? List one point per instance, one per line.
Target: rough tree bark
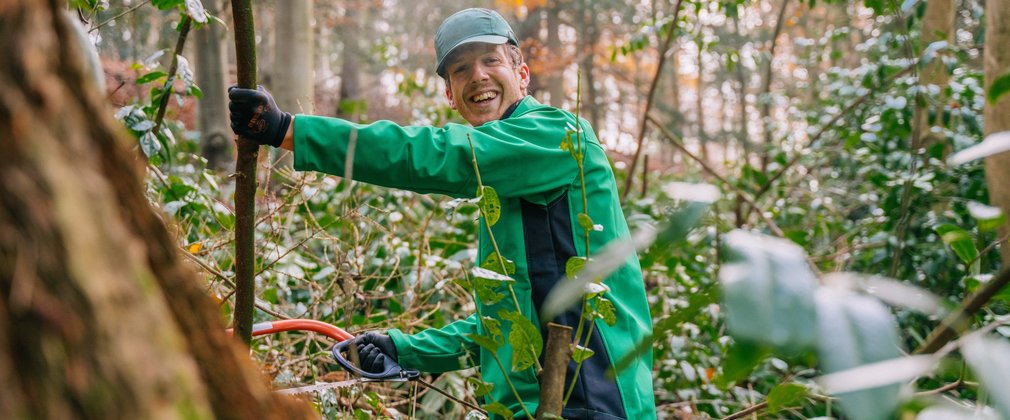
(215, 135)
(99, 317)
(997, 115)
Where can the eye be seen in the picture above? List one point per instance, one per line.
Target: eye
(458, 69)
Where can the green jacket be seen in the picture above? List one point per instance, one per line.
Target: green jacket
(541, 196)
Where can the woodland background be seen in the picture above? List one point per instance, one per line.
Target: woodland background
(825, 178)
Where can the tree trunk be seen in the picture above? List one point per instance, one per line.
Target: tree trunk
(937, 25)
(293, 85)
(997, 116)
(555, 79)
(215, 135)
(589, 37)
(350, 81)
(741, 79)
(528, 34)
(99, 317)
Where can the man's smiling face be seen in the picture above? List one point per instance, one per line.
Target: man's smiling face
(482, 81)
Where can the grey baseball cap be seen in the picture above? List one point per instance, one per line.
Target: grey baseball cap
(470, 25)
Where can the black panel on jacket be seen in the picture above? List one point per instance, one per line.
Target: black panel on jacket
(547, 231)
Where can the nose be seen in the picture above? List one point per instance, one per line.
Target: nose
(479, 72)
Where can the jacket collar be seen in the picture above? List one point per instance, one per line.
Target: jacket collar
(521, 107)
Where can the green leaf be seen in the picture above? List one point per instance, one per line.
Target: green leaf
(480, 388)
(959, 240)
(196, 92)
(573, 266)
(150, 77)
(999, 87)
(490, 206)
(768, 291)
(988, 218)
(166, 4)
(606, 310)
(484, 341)
(580, 354)
(586, 222)
(681, 222)
(493, 263)
(739, 361)
(856, 330)
(485, 290)
(990, 359)
(525, 339)
(499, 409)
(785, 395)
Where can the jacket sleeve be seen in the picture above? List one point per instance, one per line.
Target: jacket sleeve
(518, 156)
(437, 350)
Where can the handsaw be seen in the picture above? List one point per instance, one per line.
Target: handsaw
(391, 372)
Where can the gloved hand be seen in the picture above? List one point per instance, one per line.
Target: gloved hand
(255, 116)
(373, 348)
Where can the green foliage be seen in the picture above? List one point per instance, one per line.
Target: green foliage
(490, 205)
(580, 354)
(499, 409)
(480, 388)
(999, 87)
(768, 290)
(786, 395)
(525, 339)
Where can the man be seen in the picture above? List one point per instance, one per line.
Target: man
(517, 144)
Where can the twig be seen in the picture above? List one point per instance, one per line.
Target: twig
(96, 27)
(957, 320)
(187, 23)
(747, 411)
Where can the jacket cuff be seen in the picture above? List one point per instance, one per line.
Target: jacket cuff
(404, 351)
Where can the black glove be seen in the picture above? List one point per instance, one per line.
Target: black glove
(373, 349)
(255, 116)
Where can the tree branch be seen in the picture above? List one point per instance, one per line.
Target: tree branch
(663, 49)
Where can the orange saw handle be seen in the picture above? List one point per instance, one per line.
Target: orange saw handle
(270, 327)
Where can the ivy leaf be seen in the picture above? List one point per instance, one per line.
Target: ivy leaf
(999, 87)
(586, 222)
(499, 409)
(606, 310)
(494, 263)
(490, 206)
(484, 273)
(525, 339)
(768, 291)
(484, 341)
(930, 52)
(195, 10)
(573, 266)
(990, 359)
(959, 240)
(149, 144)
(785, 395)
(739, 361)
(857, 330)
(150, 77)
(485, 290)
(480, 388)
(580, 354)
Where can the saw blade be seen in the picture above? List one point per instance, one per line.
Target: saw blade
(321, 386)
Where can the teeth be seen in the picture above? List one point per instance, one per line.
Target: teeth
(484, 96)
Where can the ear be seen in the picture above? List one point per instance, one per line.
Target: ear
(448, 95)
(524, 77)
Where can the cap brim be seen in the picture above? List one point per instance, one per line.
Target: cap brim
(487, 39)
